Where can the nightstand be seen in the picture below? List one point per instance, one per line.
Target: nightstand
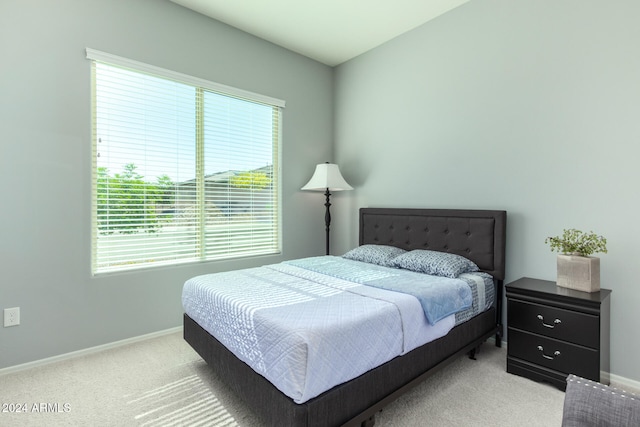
(553, 332)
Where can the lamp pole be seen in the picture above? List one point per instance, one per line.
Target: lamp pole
(327, 216)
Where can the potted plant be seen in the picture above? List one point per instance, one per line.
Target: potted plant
(577, 269)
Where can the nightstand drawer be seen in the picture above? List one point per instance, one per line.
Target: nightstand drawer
(553, 354)
(566, 325)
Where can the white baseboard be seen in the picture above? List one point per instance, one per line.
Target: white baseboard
(86, 351)
(625, 383)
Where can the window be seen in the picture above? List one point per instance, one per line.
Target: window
(183, 169)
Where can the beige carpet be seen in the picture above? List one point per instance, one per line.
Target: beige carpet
(163, 382)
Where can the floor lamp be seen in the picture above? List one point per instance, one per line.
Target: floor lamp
(327, 178)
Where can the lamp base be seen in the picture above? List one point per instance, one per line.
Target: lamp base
(327, 217)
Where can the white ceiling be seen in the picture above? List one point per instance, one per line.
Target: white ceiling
(329, 31)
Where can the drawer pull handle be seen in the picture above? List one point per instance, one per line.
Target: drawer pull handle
(555, 322)
(555, 353)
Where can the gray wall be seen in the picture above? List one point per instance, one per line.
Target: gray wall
(529, 106)
(45, 158)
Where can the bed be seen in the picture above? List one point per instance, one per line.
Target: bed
(477, 235)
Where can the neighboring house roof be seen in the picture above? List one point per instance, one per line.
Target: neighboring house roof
(225, 176)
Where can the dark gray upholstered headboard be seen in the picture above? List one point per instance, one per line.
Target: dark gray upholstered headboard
(479, 235)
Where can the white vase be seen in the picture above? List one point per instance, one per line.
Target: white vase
(578, 272)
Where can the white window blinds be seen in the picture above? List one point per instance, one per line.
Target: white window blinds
(181, 172)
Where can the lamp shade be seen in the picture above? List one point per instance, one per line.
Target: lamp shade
(327, 176)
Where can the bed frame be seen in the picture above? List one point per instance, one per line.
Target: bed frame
(479, 235)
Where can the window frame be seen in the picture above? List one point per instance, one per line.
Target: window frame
(200, 85)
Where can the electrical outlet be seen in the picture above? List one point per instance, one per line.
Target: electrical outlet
(11, 316)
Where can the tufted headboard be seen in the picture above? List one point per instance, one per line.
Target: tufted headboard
(479, 235)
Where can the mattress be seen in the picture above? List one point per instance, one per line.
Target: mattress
(306, 331)
(483, 293)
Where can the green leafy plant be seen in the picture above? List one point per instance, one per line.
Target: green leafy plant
(575, 241)
(126, 203)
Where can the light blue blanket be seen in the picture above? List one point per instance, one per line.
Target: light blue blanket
(304, 331)
(439, 296)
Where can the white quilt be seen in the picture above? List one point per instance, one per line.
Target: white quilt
(304, 331)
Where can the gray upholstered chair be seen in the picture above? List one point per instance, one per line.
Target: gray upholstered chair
(588, 403)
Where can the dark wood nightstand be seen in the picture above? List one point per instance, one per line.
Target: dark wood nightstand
(553, 332)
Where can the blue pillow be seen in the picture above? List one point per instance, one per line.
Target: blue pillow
(374, 254)
(435, 263)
